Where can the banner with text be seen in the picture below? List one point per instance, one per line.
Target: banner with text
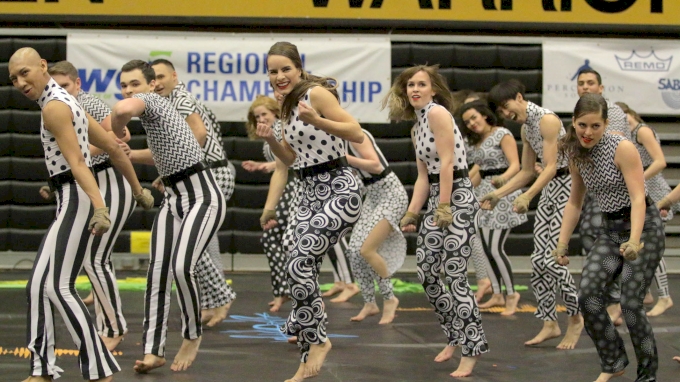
(643, 74)
(227, 72)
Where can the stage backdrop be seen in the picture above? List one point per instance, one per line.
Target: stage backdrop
(227, 71)
(645, 74)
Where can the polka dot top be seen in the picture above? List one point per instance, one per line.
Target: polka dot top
(532, 132)
(489, 154)
(426, 150)
(54, 159)
(172, 143)
(311, 145)
(99, 111)
(603, 178)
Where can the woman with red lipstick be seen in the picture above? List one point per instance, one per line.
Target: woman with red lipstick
(494, 151)
(447, 230)
(314, 130)
(630, 247)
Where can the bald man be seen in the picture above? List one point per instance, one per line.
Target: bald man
(66, 131)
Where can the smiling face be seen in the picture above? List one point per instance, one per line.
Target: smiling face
(514, 109)
(166, 79)
(476, 122)
(589, 129)
(419, 90)
(28, 73)
(133, 82)
(264, 115)
(72, 87)
(283, 75)
(587, 83)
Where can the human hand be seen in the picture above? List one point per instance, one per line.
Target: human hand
(521, 204)
(442, 215)
(489, 201)
(307, 113)
(100, 221)
(46, 193)
(498, 181)
(629, 250)
(409, 222)
(144, 199)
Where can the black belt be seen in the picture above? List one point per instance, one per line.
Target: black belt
(492, 172)
(323, 167)
(179, 176)
(562, 172)
(434, 178)
(57, 180)
(219, 163)
(102, 166)
(377, 178)
(624, 213)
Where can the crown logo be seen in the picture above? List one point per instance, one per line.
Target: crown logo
(639, 63)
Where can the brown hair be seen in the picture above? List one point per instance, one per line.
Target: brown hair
(569, 145)
(400, 109)
(64, 68)
(626, 109)
(307, 81)
(260, 100)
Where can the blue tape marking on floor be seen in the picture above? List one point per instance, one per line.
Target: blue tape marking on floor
(265, 327)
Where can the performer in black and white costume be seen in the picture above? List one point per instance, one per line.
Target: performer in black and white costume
(608, 166)
(117, 194)
(314, 130)
(192, 211)
(648, 144)
(494, 152)
(216, 294)
(66, 131)
(447, 229)
(377, 232)
(540, 134)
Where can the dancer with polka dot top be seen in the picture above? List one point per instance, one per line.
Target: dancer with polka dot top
(447, 229)
(630, 247)
(540, 133)
(192, 210)
(81, 217)
(314, 130)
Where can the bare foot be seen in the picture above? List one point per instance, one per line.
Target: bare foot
(220, 314)
(389, 310)
(186, 354)
(335, 289)
(676, 359)
(292, 340)
(317, 354)
(277, 303)
(495, 300)
(89, 300)
(649, 299)
(573, 333)
(615, 314)
(604, 377)
(299, 374)
(349, 292)
(661, 306)
(150, 362)
(465, 367)
(483, 286)
(445, 354)
(112, 343)
(38, 379)
(207, 315)
(511, 301)
(272, 302)
(550, 330)
(370, 309)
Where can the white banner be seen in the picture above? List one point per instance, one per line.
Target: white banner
(645, 74)
(227, 71)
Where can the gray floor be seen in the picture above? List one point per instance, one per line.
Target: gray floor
(247, 347)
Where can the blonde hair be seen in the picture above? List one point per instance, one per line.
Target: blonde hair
(400, 109)
(260, 100)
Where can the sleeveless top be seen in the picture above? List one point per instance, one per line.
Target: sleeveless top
(489, 154)
(311, 144)
(186, 104)
(173, 145)
(365, 174)
(54, 159)
(532, 132)
(99, 110)
(644, 154)
(618, 122)
(602, 178)
(426, 150)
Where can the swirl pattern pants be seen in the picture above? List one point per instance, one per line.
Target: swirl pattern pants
(329, 206)
(450, 249)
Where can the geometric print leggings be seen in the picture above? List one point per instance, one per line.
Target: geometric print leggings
(546, 274)
(330, 205)
(603, 266)
(449, 249)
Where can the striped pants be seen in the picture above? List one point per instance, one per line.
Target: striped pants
(108, 309)
(52, 285)
(191, 213)
(493, 241)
